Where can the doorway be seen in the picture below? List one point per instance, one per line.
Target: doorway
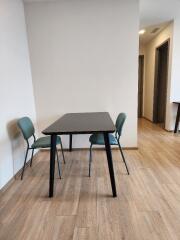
(160, 83)
(140, 85)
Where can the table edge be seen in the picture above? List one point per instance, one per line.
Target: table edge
(77, 132)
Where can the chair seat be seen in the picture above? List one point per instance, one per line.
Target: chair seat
(44, 142)
(98, 139)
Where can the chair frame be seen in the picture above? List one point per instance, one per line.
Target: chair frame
(32, 154)
(120, 148)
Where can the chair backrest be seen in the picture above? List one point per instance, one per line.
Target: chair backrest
(119, 124)
(26, 126)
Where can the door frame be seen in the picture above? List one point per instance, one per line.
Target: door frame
(141, 56)
(167, 41)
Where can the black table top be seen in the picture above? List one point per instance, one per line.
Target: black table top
(177, 102)
(81, 123)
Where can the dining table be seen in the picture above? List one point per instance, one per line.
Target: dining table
(81, 123)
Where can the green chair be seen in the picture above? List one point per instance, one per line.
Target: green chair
(26, 126)
(98, 139)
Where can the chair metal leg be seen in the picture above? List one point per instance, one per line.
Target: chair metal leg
(123, 158)
(59, 167)
(32, 157)
(62, 150)
(90, 160)
(24, 163)
(177, 119)
(70, 142)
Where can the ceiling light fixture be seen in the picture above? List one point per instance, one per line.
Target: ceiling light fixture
(142, 31)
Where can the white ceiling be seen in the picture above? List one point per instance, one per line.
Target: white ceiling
(152, 12)
(149, 34)
(156, 14)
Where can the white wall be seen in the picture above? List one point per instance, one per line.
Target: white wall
(175, 83)
(84, 58)
(16, 98)
(150, 50)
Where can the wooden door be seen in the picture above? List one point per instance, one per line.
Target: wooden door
(160, 85)
(140, 86)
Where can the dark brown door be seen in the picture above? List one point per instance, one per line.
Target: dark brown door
(160, 85)
(140, 86)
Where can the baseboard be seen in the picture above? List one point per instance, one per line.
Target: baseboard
(95, 148)
(11, 181)
(130, 148)
(20, 170)
(147, 119)
(170, 131)
(7, 185)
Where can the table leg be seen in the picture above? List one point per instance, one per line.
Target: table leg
(52, 164)
(110, 164)
(70, 142)
(177, 119)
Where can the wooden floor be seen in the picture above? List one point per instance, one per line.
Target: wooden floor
(147, 206)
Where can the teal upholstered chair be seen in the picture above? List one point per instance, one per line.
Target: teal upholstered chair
(26, 126)
(98, 139)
